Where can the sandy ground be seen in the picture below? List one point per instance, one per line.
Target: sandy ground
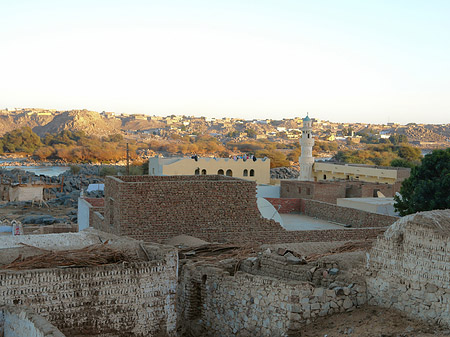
(14, 212)
(371, 321)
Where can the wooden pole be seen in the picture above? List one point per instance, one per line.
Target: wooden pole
(128, 162)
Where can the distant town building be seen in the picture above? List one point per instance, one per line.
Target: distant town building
(324, 171)
(257, 170)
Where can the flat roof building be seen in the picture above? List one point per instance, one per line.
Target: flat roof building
(357, 172)
(254, 170)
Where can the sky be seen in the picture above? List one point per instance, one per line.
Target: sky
(371, 61)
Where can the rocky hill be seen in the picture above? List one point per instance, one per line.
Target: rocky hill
(43, 121)
(80, 120)
(10, 122)
(429, 133)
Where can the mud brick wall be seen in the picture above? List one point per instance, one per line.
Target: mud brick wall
(157, 208)
(212, 208)
(130, 299)
(323, 191)
(19, 321)
(345, 215)
(331, 190)
(252, 305)
(285, 205)
(409, 267)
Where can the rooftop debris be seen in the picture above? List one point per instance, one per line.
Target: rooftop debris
(94, 255)
(347, 247)
(217, 252)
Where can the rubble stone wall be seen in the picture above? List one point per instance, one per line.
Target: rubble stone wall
(16, 321)
(345, 215)
(251, 305)
(132, 299)
(409, 267)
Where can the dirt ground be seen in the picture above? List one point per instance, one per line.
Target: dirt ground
(14, 212)
(371, 321)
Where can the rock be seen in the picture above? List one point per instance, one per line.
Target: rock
(291, 259)
(431, 288)
(347, 304)
(333, 271)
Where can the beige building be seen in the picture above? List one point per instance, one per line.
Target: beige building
(258, 171)
(368, 173)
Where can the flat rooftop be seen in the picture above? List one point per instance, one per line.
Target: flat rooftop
(301, 222)
(372, 201)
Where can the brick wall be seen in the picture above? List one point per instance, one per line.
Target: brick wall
(323, 191)
(285, 205)
(212, 208)
(345, 215)
(330, 191)
(132, 299)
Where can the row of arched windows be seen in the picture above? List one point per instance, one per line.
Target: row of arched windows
(197, 172)
(229, 173)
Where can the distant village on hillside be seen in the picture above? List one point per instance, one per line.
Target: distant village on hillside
(225, 129)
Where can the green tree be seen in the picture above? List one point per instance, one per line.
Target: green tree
(400, 162)
(21, 140)
(409, 153)
(428, 187)
(277, 158)
(398, 139)
(251, 133)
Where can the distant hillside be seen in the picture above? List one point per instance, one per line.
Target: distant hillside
(43, 121)
(430, 132)
(89, 122)
(9, 122)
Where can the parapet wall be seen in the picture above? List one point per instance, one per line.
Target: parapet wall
(409, 267)
(17, 321)
(345, 215)
(132, 299)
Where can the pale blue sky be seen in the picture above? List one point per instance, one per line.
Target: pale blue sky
(342, 60)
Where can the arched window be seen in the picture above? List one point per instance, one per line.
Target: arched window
(229, 173)
(308, 135)
(197, 172)
(245, 173)
(203, 171)
(324, 177)
(220, 172)
(252, 173)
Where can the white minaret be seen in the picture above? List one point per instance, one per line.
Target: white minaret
(306, 159)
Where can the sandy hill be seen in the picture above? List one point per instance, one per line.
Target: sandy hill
(80, 120)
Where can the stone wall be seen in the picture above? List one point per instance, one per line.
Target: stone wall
(409, 267)
(21, 322)
(212, 301)
(345, 215)
(132, 299)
